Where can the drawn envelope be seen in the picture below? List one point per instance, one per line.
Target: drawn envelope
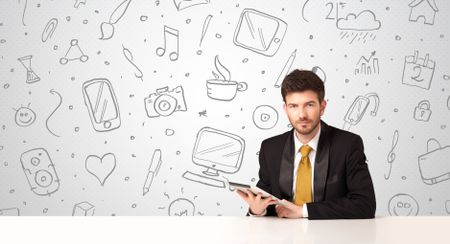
(182, 4)
(433, 165)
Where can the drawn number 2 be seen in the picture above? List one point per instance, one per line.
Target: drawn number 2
(331, 10)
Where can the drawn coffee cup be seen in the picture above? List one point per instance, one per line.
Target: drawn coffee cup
(224, 90)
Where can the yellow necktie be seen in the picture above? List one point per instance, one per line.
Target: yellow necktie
(303, 188)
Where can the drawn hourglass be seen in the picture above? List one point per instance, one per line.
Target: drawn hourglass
(31, 75)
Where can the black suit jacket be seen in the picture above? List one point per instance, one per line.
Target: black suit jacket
(342, 184)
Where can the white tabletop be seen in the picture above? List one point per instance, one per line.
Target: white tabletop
(222, 230)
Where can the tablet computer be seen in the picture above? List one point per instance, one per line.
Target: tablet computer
(254, 189)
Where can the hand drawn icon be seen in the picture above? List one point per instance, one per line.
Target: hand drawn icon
(447, 206)
(24, 116)
(101, 102)
(448, 102)
(10, 212)
(129, 56)
(40, 171)
(303, 10)
(205, 28)
(181, 207)
(286, 68)
(403, 205)
(423, 9)
(222, 88)
(320, 72)
(259, 32)
(164, 102)
(49, 29)
(171, 40)
(73, 53)
(367, 66)
(107, 28)
(364, 21)
(153, 170)
(23, 12)
(31, 75)
(102, 167)
(418, 71)
(358, 27)
(217, 151)
(184, 4)
(422, 112)
(78, 3)
(391, 155)
(83, 209)
(59, 104)
(358, 108)
(265, 117)
(434, 166)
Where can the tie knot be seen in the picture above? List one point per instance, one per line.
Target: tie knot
(305, 150)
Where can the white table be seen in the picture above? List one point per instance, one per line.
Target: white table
(230, 230)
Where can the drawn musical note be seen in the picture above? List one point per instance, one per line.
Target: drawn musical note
(391, 156)
(173, 42)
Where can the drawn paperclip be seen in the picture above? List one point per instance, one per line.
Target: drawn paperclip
(391, 155)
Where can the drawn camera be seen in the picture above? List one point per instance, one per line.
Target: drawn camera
(40, 171)
(164, 102)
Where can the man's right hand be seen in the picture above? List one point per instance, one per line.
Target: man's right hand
(257, 203)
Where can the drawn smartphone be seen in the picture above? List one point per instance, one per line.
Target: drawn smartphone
(357, 110)
(102, 105)
(254, 189)
(259, 32)
(40, 171)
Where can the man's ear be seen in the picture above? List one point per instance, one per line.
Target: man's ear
(285, 107)
(323, 105)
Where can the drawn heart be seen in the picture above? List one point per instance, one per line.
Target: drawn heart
(102, 167)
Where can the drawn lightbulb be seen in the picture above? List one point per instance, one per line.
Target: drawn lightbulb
(181, 207)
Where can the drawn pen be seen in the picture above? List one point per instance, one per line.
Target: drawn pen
(155, 164)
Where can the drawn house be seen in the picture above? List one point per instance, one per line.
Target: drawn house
(425, 9)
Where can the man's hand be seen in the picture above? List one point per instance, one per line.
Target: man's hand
(256, 203)
(289, 210)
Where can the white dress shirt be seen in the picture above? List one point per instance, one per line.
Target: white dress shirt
(312, 157)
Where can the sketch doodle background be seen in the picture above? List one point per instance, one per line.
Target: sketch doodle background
(137, 131)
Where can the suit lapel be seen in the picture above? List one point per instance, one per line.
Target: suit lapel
(321, 164)
(287, 167)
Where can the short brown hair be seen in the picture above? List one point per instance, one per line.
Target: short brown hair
(302, 80)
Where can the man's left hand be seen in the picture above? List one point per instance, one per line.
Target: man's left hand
(289, 210)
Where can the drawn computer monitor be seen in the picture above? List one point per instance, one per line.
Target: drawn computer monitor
(217, 151)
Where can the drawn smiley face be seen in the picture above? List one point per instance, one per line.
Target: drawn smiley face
(25, 116)
(403, 205)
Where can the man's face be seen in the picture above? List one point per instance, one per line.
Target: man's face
(304, 111)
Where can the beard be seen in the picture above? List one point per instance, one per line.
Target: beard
(306, 127)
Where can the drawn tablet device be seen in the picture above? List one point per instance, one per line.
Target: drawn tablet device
(259, 32)
(254, 189)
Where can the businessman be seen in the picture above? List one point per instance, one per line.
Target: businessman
(319, 171)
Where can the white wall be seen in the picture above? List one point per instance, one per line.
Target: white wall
(125, 52)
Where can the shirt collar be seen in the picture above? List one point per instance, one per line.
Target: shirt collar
(313, 143)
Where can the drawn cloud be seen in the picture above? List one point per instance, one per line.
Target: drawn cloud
(364, 21)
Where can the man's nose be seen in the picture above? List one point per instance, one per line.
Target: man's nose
(301, 113)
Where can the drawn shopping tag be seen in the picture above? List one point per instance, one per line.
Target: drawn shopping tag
(418, 71)
(422, 112)
(434, 165)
